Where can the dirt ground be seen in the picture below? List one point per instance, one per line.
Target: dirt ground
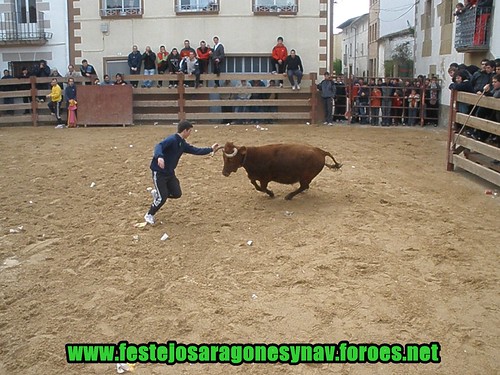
(391, 249)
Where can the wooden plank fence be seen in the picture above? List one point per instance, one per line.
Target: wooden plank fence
(203, 104)
(475, 156)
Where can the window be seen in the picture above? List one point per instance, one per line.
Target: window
(275, 6)
(121, 8)
(26, 11)
(190, 6)
(248, 64)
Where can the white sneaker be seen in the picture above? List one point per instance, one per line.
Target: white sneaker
(298, 87)
(154, 193)
(60, 126)
(281, 85)
(293, 87)
(150, 219)
(325, 123)
(329, 124)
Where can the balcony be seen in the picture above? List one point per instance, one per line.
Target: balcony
(273, 8)
(473, 29)
(121, 12)
(23, 28)
(196, 6)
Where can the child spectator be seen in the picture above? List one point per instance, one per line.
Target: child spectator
(278, 57)
(413, 105)
(375, 104)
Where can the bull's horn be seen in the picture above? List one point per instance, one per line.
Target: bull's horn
(217, 149)
(233, 154)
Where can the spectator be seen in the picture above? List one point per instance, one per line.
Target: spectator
(413, 105)
(88, 71)
(149, 58)
(271, 96)
(482, 77)
(278, 57)
(375, 104)
(54, 104)
(42, 70)
(386, 88)
(25, 74)
(191, 66)
(187, 49)
(218, 55)
(161, 61)
(364, 102)
(70, 90)
(459, 9)
(340, 100)
(119, 80)
(432, 102)
(106, 80)
(134, 62)
(226, 96)
(397, 106)
(294, 67)
(7, 75)
(55, 73)
(96, 81)
(203, 52)
(461, 83)
(72, 72)
(328, 91)
(257, 96)
(242, 96)
(174, 62)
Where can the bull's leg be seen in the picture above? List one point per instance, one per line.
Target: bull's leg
(262, 187)
(303, 186)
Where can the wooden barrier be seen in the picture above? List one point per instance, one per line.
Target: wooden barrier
(475, 156)
(203, 104)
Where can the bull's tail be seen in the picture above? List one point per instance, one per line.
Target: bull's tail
(336, 165)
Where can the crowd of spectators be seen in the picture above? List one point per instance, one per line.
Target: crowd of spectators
(388, 101)
(481, 81)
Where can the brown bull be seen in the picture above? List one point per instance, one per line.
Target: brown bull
(283, 163)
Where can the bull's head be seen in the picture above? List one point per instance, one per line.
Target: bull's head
(233, 157)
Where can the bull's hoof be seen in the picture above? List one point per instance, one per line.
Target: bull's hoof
(289, 197)
(271, 194)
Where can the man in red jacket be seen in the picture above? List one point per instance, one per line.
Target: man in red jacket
(279, 55)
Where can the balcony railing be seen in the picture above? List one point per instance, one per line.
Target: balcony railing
(290, 8)
(121, 12)
(195, 6)
(473, 29)
(17, 27)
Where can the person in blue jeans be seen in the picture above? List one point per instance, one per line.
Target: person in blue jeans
(294, 68)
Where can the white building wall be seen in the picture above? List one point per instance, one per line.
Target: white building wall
(387, 47)
(355, 38)
(55, 51)
(240, 31)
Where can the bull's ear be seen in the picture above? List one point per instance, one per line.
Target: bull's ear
(242, 150)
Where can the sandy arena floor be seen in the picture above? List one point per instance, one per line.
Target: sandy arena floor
(391, 249)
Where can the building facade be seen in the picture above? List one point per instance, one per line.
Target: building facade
(390, 24)
(442, 38)
(32, 30)
(104, 31)
(355, 46)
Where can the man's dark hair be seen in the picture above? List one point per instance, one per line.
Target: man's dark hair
(497, 77)
(454, 65)
(84, 61)
(183, 125)
(280, 38)
(326, 73)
